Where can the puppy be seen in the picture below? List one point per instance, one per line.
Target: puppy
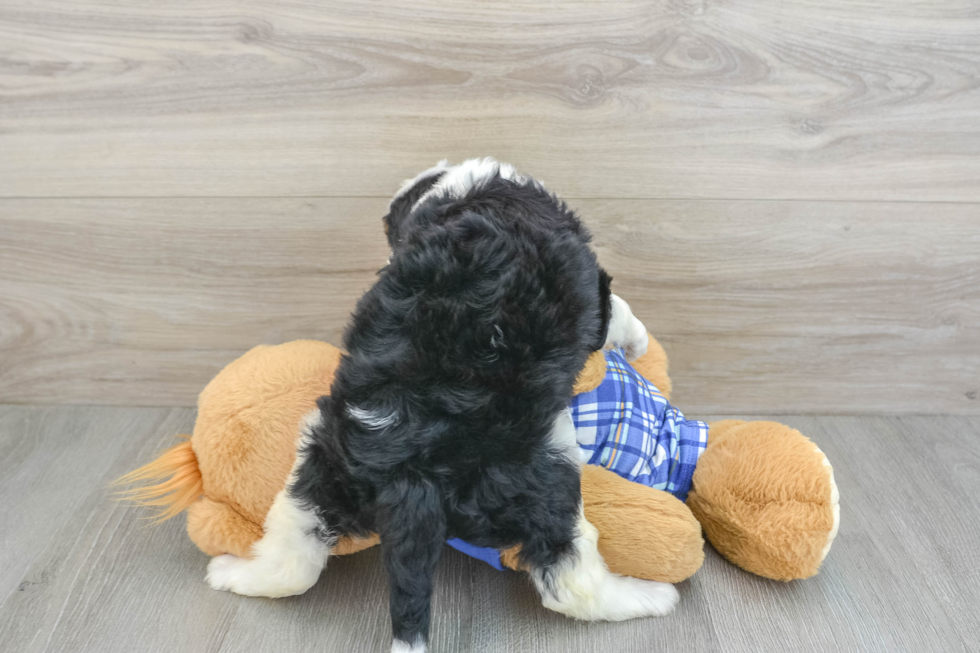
(449, 414)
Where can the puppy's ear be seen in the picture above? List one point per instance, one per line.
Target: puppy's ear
(605, 308)
(401, 205)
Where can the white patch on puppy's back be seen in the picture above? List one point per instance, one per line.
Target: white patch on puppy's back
(374, 420)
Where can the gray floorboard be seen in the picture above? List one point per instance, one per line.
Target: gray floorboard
(81, 573)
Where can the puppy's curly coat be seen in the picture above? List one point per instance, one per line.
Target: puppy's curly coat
(448, 415)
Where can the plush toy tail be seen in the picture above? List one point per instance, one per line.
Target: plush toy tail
(180, 482)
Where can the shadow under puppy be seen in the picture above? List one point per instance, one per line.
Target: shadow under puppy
(448, 416)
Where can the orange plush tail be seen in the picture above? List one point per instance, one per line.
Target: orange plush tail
(179, 485)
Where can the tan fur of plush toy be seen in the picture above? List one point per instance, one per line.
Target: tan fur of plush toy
(748, 486)
(766, 498)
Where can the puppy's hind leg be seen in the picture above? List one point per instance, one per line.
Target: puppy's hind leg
(292, 552)
(579, 584)
(412, 527)
(285, 562)
(560, 550)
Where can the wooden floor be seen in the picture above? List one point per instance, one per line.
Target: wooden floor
(81, 573)
(786, 192)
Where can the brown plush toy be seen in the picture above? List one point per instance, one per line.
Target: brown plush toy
(763, 493)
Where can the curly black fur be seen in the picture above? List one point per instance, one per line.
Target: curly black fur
(461, 356)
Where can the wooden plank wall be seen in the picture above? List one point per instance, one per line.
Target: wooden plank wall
(788, 193)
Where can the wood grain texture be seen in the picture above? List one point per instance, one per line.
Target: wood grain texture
(776, 307)
(749, 99)
(80, 573)
(791, 307)
(142, 302)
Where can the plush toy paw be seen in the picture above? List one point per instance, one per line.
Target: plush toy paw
(766, 498)
(253, 577)
(834, 502)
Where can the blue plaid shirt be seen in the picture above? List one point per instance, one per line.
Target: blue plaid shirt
(627, 426)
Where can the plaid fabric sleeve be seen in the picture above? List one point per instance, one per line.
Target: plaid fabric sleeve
(627, 425)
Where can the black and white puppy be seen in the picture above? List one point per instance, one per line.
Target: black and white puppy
(449, 414)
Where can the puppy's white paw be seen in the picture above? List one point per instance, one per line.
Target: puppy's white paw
(255, 578)
(398, 646)
(639, 341)
(225, 573)
(659, 599)
(625, 331)
(629, 598)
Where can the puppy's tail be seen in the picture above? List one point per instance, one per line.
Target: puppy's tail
(179, 482)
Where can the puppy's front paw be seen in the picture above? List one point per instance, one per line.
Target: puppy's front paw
(625, 331)
(639, 341)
